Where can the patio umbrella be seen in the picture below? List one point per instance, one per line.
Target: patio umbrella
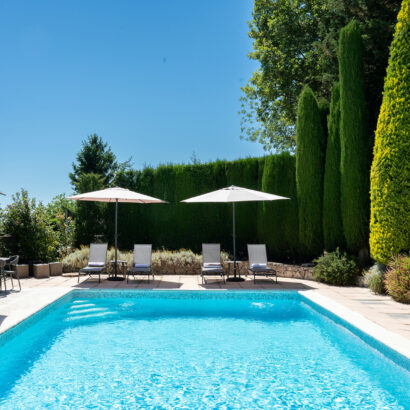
(234, 194)
(116, 195)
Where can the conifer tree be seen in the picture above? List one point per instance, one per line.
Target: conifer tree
(354, 140)
(390, 172)
(310, 147)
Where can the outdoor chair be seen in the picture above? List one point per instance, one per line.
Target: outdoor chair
(96, 260)
(2, 277)
(258, 262)
(211, 261)
(141, 262)
(11, 271)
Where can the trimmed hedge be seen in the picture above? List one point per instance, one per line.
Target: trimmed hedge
(310, 153)
(178, 225)
(354, 139)
(333, 236)
(390, 172)
(278, 220)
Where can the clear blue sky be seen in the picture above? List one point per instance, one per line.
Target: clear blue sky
(158, 80)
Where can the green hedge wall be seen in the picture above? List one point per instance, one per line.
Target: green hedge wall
(278, 220)
(178, 225)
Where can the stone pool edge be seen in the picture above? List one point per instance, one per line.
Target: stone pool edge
(394, 341)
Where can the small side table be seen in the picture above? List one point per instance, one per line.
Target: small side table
(238, 275)
(123, 270)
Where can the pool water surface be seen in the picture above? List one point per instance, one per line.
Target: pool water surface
(169, 349)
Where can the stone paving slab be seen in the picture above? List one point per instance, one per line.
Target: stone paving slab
(377, 315)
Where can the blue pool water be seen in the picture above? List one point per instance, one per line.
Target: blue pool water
(193, 350)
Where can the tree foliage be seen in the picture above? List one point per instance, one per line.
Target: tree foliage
(333, 236)
(390, 172)
(91, 217)
(354, 140)
(94, 157)
(31, 236)
(310, 152)
(296, 43)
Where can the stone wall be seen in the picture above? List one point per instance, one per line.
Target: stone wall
(283, 270)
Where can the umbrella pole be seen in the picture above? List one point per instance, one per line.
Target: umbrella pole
(234, 278)
(234, 239)
(116, 236)
(115, 277)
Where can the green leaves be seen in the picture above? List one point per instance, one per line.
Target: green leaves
(310, 156)
(390, 172)
(354, 139)
(296, 43)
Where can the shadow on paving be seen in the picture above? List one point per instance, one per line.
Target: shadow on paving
(132, 284)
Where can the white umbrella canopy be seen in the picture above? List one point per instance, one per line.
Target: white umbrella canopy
(234, 194)
(116, 195)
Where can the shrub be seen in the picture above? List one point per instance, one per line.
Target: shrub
(398, 278)
(354, 140)
(332, 215)
(310, 147)
(376, 283)
(390, 172)
(336, 268)
(376, 269)
(31, 236)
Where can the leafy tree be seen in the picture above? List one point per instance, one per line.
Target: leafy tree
(31, 236)
(90, 216)
(60, 212)
(390, 172)
(95, 157)
(354, 140)
(296, 43)
(310, 152)
(332, 218)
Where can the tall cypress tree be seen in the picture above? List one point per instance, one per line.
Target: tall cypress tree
(310, 147)
(332, 217)
(354, 140)
(390, 173)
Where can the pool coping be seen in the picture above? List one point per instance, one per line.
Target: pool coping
(388, 338)
(393, 341)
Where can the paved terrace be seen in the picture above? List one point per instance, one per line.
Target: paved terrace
(379, 316)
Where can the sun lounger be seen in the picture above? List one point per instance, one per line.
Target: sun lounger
(96, 260)
(211, 261)
(258, 262)
(141, 264)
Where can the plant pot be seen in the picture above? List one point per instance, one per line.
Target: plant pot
(56, 268)
(41, 270)
(23, 270)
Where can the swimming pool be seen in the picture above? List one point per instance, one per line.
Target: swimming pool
(194, 349)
